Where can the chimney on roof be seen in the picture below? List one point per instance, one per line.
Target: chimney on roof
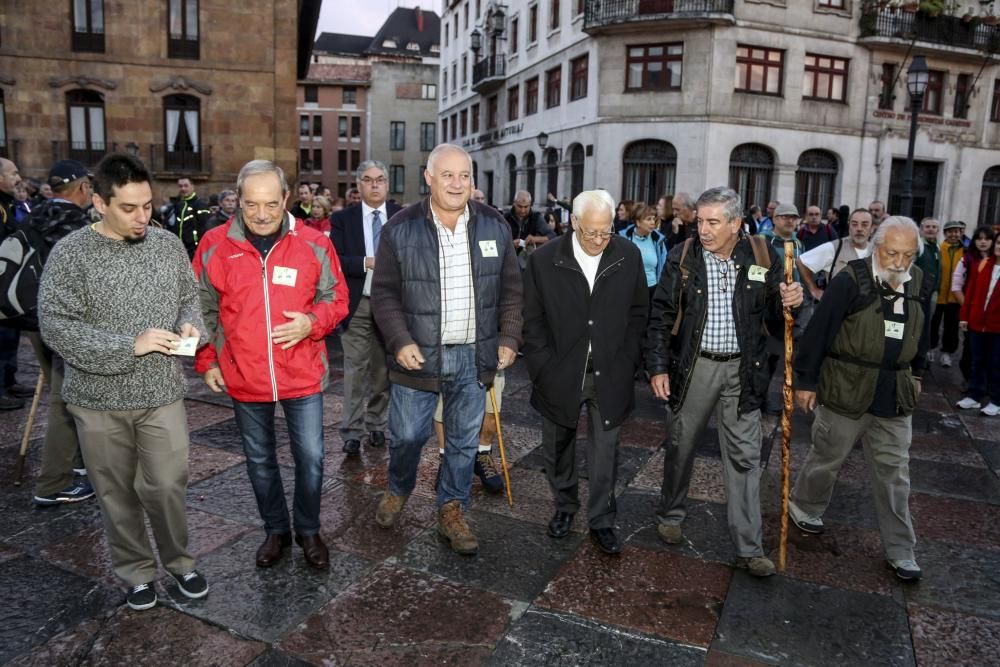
(420, 19)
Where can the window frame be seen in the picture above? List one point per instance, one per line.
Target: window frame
(87, 40)
(936, 80)
(532, 36)
(397, 178)
(349, 95)
(514, 27)
(553, 87)
(428, 142)
(886, 97)
(664, 60)
(184, 47)
(832, 72)
(578, 78)
(531, 91)
(554, 18)
(474, 120)
(492, 112)
(513, 102)
(310, 90)
(750, 62)
(995, 104)
(397, 135)
(963, 90)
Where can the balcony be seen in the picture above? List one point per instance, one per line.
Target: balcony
(601, 16)
(489, 73)
(166, 160)
(88, 154)
(943, 32)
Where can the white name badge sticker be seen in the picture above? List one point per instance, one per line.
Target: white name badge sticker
(187, 346)
(894, 330)
(284, 276)
(757, 273)
(488, 248)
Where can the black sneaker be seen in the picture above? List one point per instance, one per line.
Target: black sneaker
(142, 597)
(20, 391)
(192, 584)
(486, 470)
(8, 402)
(74, 493)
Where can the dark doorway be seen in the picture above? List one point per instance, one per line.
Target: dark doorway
(925, 179)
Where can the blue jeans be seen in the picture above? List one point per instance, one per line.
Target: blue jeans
(411, 413)
(305, 428)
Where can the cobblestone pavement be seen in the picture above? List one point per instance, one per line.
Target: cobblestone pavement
(400, 597)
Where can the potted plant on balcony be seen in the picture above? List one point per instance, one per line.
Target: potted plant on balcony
(931, 7)
(911, 6)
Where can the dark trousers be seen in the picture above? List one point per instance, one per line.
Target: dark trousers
(559, 448)
(946, 313)
(984, 381)
(9, 341)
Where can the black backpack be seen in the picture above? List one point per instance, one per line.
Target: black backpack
(20, 276)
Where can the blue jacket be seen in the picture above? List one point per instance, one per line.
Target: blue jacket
(659, 242)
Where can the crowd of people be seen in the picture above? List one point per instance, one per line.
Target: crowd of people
(433, 301)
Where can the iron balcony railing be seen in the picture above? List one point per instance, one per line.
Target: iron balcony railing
(942, 29)
(598, 13)
(180, 160)
(489, 69)
(89, 154)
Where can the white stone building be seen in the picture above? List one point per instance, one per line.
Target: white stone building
(794, 100)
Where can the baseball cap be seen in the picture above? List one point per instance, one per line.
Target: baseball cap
(787, 209)
(67, 171)
(954, 224)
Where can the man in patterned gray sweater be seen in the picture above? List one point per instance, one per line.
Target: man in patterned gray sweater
(117, 301)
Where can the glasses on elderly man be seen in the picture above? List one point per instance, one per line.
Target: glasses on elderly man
(591, 236)
(367, 180)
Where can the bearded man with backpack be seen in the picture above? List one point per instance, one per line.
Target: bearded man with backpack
(706, 352)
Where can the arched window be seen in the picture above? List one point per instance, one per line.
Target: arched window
(511, 178)
(529, 174)
(576, 159)
(989, 200)
(649, 169)
(815, 181)
(85, 110)
(182, 133)
(552, 171)
(751, 172)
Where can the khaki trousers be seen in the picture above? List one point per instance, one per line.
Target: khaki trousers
(138, 460)
(365, 375)
(886, 443)
(61, 447)
(715, 386)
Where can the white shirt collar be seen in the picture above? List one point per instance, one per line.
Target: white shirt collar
(366, 211)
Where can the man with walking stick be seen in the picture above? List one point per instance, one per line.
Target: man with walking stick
(706, 350)
(585, 305)
(859, 370)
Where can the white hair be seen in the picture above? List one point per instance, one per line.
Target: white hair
(593, 199)
(440, 149)
(898, 222)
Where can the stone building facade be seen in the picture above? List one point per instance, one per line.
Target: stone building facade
(800, 101)
(172, 81)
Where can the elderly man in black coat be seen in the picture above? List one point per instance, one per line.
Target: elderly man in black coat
(585, 304)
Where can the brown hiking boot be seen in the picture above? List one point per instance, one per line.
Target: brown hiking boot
(389, 507)
(758, 566)
(669, 533)
(452, 527)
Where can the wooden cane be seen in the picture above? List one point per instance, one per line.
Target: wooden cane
(23, 454)
(786, 413)
(503, 456)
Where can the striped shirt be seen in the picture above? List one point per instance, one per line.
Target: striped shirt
(458, 306)
(720, 325)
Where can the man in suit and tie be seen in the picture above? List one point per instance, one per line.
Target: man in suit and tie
(355, 234)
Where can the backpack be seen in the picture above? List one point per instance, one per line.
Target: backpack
(20, 276)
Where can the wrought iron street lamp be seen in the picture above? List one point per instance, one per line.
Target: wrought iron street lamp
(916, 83)
(476, 42)
(543, 140)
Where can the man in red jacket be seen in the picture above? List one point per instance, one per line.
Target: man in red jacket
(270, 292)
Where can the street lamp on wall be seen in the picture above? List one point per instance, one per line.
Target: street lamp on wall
(543, 140)
(917, 79)
(476, 43)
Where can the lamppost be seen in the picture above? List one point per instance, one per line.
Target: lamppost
(476, 44)
(916, 83)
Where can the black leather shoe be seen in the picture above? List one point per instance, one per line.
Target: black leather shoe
(271, 550)
(20, 391)
(606, 540)
(560, 524)
(376, 439)
(316, 553)
(8, 402)
(351, 447)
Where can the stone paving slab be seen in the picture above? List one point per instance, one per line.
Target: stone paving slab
(515, 560)
(957, 577)
(706, 535)
(66, 600)
(230, 494)
(264, 603)
(226, 435)
(783, 621)
(659, 593)
(549, 639)
(396, 616)
(944, 638)
(159, 636)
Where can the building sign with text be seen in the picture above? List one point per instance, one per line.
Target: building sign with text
(885, 114)
(493, 136)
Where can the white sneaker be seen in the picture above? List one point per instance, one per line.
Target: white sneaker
(969, 403)
(991, 410)
(932, 356)
(945, 360)
(907, 569)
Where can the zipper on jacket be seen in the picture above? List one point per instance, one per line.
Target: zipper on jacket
(267, 328)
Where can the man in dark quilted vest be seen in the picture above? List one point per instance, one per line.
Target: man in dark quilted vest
(447, 299)
(858, 368)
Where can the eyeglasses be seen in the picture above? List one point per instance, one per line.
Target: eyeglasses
(723, 266)
(381, 180)
(592, 236)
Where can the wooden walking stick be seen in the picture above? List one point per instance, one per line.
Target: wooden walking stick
(503, 456)
(23, 454)
(786, 413)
